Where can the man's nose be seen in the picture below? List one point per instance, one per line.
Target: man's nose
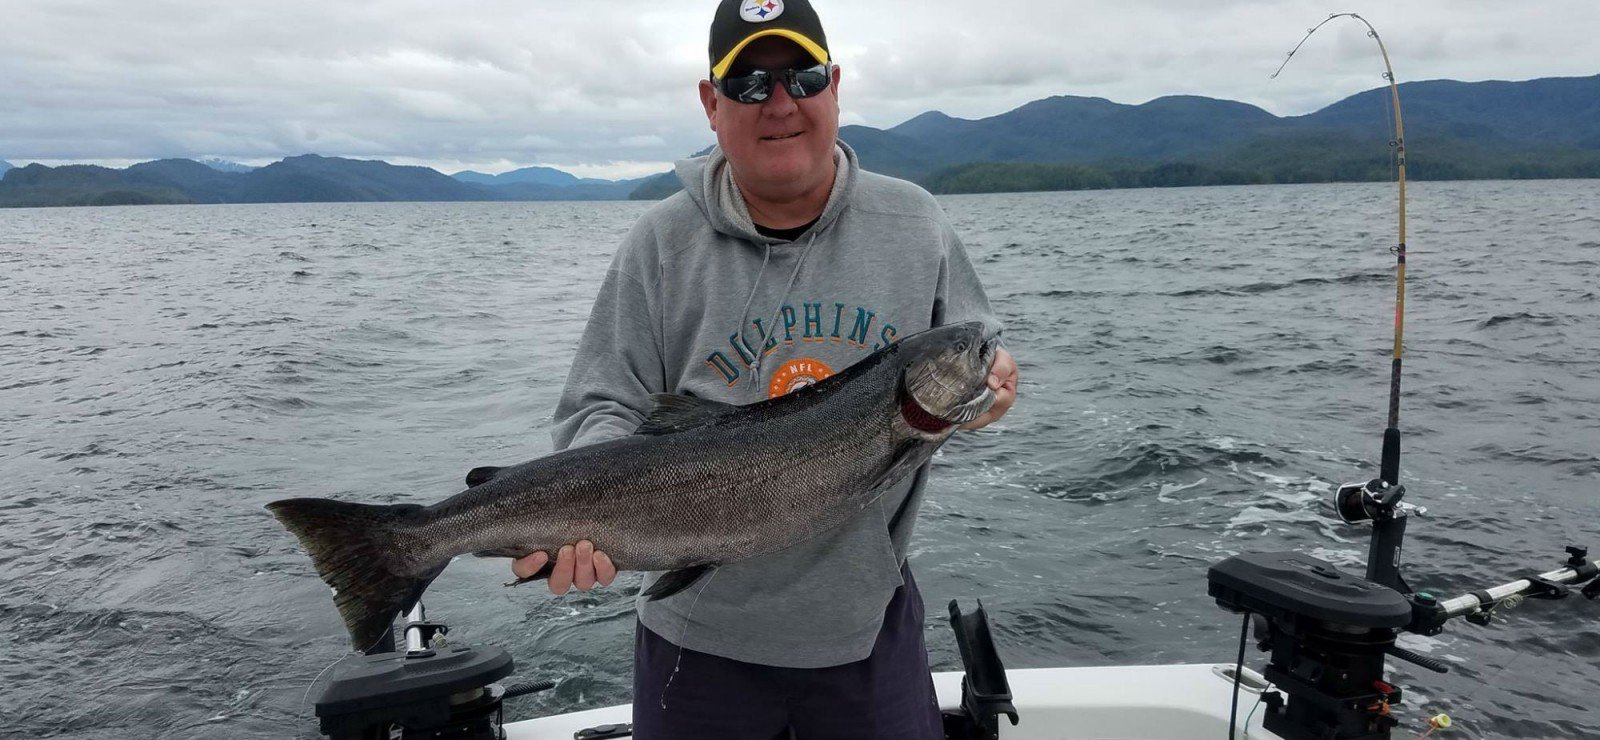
(780, 103)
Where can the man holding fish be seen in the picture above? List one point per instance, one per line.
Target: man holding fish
(780, 264)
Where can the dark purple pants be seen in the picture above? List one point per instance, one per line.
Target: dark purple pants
(887, 696)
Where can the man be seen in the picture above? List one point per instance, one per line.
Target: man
(781, 263)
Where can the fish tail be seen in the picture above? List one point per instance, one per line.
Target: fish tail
(352, 547)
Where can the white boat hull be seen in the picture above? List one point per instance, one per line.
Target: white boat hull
(1170, 702)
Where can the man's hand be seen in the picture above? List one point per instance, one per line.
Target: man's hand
(1003, 381)
(576, 565)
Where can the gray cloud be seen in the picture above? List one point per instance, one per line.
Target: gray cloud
(608, 89)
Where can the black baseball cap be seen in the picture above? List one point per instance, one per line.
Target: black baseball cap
(739, 22)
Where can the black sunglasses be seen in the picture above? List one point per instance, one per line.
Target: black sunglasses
(756, 86)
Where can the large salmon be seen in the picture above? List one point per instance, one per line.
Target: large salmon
(699, 484)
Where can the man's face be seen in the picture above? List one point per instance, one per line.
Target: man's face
(782, 147)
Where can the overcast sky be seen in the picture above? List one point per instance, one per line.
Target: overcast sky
(607, 89)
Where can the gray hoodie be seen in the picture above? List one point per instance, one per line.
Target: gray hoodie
(691, 295)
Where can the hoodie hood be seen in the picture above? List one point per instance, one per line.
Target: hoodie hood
(709, 182)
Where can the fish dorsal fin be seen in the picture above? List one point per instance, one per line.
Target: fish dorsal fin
(477, 476)
(675, 413)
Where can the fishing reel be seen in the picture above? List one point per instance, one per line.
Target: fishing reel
(430, 690)
(1375, 500)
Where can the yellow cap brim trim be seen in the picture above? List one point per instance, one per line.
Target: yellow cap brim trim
(815, 49)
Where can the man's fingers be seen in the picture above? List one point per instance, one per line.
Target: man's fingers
(604, 570)
(577, 565)
(1003, 378)
(527, 566)
(1005, 370)
(561, 577)
(583, 571)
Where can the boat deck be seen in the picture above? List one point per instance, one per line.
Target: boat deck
(1170, 702)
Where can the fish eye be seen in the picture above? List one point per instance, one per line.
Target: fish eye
(961, 346)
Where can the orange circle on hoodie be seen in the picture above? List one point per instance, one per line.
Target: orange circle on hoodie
(797, 374)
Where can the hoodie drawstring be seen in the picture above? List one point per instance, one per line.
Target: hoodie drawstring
(744, 314)
(777, 311)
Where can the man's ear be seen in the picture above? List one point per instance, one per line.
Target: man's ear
(836, 78)
(708, 100)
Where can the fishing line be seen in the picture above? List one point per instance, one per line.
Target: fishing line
(685, 634)
(307, 694)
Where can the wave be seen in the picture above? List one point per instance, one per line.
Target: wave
(1215, 354)
(1116, 476)
(1069, 294)
(1577, 463)
(1359, 278)
(247, 324)
(1314, 367)
(127, 672)
(1537, 319)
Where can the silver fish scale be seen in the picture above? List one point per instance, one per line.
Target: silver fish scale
(690, 497)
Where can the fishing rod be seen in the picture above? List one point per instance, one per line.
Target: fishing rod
(1381, 497)
(1329, 633)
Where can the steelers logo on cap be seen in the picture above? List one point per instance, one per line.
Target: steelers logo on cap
(760, 11)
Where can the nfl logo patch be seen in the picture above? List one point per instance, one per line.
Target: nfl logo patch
(760, 11)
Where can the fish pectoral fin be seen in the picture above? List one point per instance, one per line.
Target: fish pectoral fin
(675, 581)
(675, 413)
(477, 476)
(907, 458)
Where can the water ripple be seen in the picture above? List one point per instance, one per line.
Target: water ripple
(1201, 366)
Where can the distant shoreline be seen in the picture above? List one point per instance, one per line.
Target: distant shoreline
(1531, 130)
(986, 192)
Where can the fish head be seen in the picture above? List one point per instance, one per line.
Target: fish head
(945, 380)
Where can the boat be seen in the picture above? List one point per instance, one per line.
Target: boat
(1329, 633)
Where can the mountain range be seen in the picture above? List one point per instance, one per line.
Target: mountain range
(302, 179)
(549, 183)
(1454, 130)
(534, 175)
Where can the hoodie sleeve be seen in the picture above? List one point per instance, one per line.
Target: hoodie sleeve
(617, 367)
(959, 296)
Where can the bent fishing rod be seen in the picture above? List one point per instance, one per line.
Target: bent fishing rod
(1379, 500)
(1389, 520)
(1329, 632)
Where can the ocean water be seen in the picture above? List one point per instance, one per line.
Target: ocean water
(1201, 367)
